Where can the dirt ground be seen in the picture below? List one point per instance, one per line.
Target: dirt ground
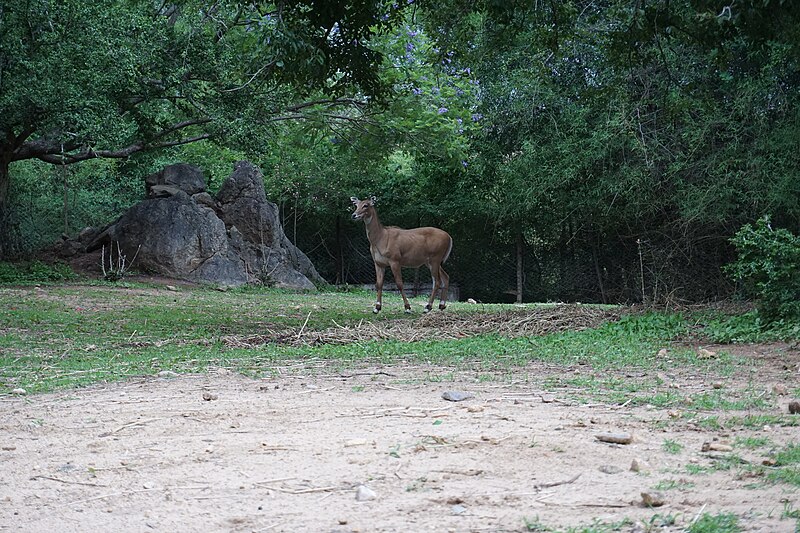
(222, 452)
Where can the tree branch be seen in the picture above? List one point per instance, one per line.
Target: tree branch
(254, 76)
(331, 101)
(56, 152)
(89, 153)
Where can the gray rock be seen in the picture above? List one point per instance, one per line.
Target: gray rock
(615, 438)
(653, 499)
(610, 469)
(181, 176)
(638, 465)
(457, 396)
(181, 231)
(364, 494)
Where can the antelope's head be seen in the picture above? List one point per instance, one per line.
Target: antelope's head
(364, 209)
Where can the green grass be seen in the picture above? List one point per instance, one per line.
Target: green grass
(748, 327)
(672, 447)
(58, 336)
(787, 462)
(32, 272)
(673, 484)
(719, 523)
(536, 525)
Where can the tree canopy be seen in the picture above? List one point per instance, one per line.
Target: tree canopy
(80, 81)
(616, 147)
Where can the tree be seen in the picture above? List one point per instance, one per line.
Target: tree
(618, 134)
(81, 80)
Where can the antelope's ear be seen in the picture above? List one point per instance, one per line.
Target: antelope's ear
(373, 200)
(354, 199)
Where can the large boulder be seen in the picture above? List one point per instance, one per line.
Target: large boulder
(181, 231)
(180, 176)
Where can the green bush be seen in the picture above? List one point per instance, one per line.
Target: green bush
(34, 272)
(768, 266)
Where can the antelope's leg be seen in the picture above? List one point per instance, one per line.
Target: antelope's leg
(435, 275)
(379, 272)
(397, 272)
(444, 283)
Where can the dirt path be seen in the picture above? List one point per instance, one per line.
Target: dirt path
(288, 454)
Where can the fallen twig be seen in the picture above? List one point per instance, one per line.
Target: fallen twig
(300, 334)
(137, 491)
(131, 424)
(302, 491)
(556, 483)
(69, 482)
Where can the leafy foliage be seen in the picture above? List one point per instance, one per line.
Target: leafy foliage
(769, 266)
(615, 148)
(34, 272)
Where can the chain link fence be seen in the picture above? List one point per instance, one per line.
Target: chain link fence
(652, 268)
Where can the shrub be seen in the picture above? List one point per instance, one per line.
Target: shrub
(768, 266)
(34, 272)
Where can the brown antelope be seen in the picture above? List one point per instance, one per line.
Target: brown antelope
(396, 248)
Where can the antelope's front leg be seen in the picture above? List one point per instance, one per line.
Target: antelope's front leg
(379, 272)
(397, 272)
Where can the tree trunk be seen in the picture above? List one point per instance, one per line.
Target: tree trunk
(5, 217)
(598, 272)
(520, 265)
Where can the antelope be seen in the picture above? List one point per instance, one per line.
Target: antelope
(396, 248)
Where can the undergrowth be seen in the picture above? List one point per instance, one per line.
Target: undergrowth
(31, 272)
(71, 336)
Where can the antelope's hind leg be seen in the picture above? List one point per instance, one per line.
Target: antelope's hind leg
(444, 283)
(397, 272)
(434, 289)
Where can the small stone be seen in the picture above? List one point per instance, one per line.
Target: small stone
(717, 384)
(475, 409)
(19, 391)
(794, 407)
(365, 494)
(674, 414)
(457, 396)
(208, 396)
(637, 465)
(471, 301)
(610, 469)
(458, 509)
(615, 438)
(342, 521)
(716, 447)
(171, 288)
(653, 499)
(167, 374)
(148, 485)
(780, 389)
(662, 352)
(702, 353)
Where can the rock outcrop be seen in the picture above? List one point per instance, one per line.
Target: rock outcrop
(179, 230)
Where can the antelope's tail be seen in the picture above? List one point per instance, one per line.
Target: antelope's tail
(449, 249)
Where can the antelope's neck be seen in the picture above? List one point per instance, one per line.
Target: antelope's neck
(374, 227)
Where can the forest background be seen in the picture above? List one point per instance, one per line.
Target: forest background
(594, 151)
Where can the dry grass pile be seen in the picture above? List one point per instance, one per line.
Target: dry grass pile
(442, 325)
